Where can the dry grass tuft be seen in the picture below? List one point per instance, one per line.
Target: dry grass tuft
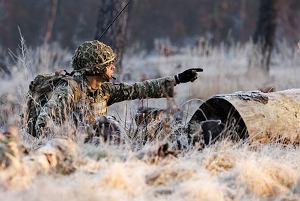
(169, 174)
(201, 188)
(220, 161)
(66, 169)
(119, 177)
(267, 178)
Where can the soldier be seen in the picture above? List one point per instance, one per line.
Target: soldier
(86, 93)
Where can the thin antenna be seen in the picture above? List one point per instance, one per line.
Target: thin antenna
(114, 19)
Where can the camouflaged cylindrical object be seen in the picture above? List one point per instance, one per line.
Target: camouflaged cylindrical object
(92, 57)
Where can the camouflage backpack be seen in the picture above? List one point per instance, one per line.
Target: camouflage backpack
(40, 91)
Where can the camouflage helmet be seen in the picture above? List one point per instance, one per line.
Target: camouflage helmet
(92, 57)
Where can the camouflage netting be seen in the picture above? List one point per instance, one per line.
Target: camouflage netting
(92, 57)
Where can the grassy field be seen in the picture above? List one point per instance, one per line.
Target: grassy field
(64, 168)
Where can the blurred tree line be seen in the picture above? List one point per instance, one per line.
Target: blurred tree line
(69, 22)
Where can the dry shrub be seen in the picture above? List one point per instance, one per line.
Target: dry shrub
(267, 178)
(169, 174)
(127, 177)
(10, 152)
(58, 155)
(11, 167)
(76, 187)
(220, 161)
(202, 188)
(221, 157)
(18, 170)
(107, 172)
(89, 165)
(280, 173)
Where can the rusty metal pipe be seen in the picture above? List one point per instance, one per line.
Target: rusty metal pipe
(255, 116)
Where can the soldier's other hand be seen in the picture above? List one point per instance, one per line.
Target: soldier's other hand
(189, 75)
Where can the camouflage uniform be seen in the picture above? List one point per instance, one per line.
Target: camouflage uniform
(75, 98)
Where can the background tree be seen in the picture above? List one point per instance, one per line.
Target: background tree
(218, 21)
(264, 36)
(51, 20)
(116, 36)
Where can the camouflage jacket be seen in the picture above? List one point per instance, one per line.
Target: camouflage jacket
(78, 101)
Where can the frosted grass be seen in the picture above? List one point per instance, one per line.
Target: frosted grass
(223, 171)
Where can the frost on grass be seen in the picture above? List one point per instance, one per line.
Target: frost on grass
(223, 171)
(63, 168)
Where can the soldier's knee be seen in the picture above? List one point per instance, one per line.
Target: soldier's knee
(108, 130)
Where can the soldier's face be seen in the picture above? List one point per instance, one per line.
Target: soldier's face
(110, 70)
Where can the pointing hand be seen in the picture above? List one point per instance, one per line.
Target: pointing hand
(189, 75)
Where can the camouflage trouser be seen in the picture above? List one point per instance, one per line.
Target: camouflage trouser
(151, 121)
(106, 129)
(156, 124)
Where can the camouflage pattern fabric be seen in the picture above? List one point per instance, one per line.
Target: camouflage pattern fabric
(40, 91)
(107, 129)
(92, 57)
(83, 105)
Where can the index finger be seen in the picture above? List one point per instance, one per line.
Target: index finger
(197, 69)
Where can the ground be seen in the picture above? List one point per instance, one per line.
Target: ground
(67, 169)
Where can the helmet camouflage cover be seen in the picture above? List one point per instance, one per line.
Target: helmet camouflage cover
(92, 57)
